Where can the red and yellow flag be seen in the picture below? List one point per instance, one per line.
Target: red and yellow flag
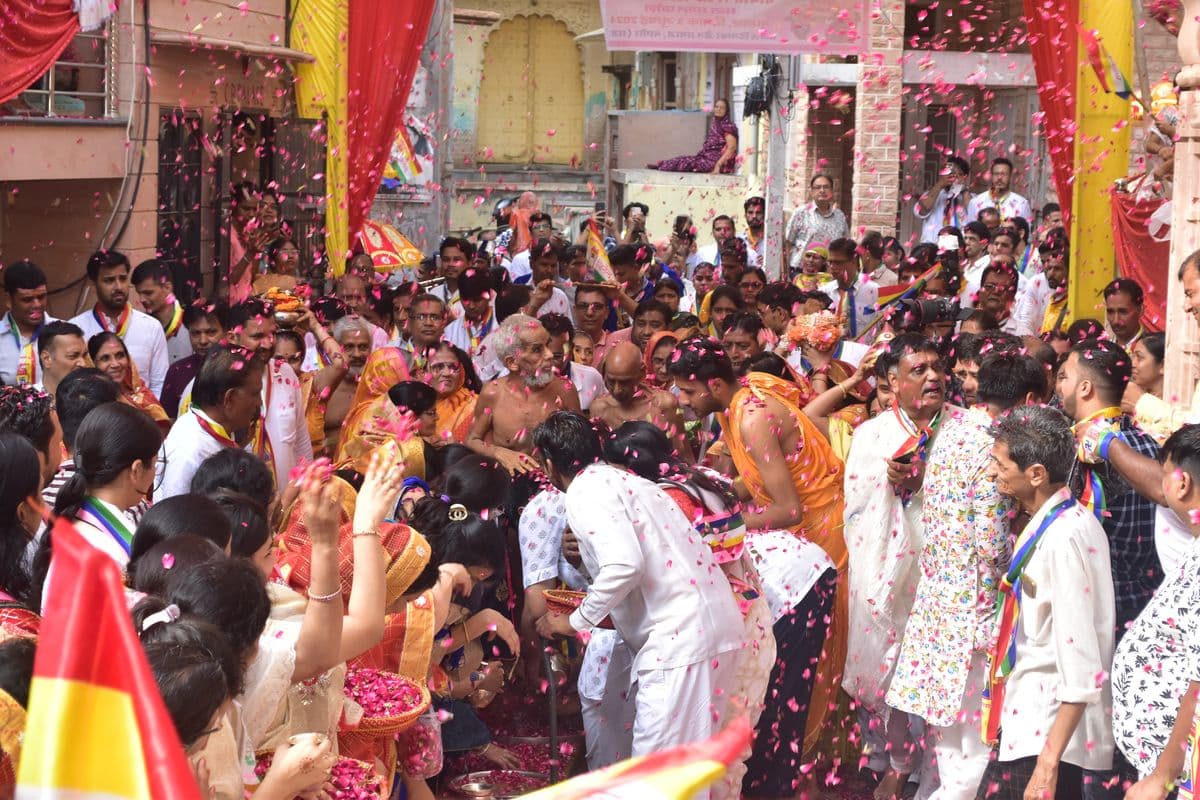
(675, 774)
(96, 727)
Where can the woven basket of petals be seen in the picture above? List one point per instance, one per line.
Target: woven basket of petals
(349, 779)
(564, 601)
(391, 703)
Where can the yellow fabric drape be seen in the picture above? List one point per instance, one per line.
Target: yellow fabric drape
(321, 28)
(1101, 156)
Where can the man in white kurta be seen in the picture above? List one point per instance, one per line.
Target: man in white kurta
(607, 706)
(884, 534)
(666, 595)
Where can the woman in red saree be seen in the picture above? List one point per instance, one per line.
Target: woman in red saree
(111, 357)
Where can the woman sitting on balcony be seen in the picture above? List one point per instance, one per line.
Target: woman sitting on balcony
(719, 153)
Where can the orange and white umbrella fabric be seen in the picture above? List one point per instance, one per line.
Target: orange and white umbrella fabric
(387, 247)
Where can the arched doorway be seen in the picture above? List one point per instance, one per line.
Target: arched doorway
(530, 95)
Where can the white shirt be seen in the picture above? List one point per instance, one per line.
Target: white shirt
(711, 254)
(935, 218)
(557, 304)
(588, 382)
(1064, 641)
(178, 346)
(10, 350)
(519, 266)
(458, 333)
(98, 538)
(758, 250)
(183, 451)
(487, 364)
(540, 533)
(284, 412)
(145, 341)
(973, 280)
(101, 539)
(788, 567)
(1154, 662)
(1011, 205)
(847, 350)
(668, 598)
(1031, 304)
(866, 296)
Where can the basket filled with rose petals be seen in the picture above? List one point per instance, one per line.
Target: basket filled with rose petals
(564, 601)
(391, 703)
(349, 779)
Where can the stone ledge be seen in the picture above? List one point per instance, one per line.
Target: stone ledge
(656, 178)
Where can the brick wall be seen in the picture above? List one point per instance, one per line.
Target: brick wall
(878, 107)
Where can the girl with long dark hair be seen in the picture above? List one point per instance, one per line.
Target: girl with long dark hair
(20, 514)
(116, 450)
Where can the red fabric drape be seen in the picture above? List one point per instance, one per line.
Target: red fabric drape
(1140, 257)
(1054, 45)
(386, 39)
(33, 34)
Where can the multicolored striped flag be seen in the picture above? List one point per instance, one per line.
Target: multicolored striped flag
(675, 774)
(890, 295)
(599, 270)
(1108, 73)
(96, 727)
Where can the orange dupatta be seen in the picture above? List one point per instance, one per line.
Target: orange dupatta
(817, 474)
(136, 393)
(455, 413)
(384, 369)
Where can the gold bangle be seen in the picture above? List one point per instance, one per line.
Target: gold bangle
(372, 532)
(845, 393)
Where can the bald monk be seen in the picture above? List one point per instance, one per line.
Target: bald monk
(511, 406)
(630, 398)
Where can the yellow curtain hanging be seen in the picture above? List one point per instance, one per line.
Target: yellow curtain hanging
(320, 28)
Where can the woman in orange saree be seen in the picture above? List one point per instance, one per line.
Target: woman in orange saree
(111, 357)
(817, 475)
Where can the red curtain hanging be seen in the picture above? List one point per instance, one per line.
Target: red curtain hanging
(1141, 257)
(1054, 45)
(33, 34)
(386, 40)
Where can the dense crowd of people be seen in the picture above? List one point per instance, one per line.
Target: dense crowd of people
(901, 507)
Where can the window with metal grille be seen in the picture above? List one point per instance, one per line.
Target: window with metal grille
(80, 85)
(179, 195)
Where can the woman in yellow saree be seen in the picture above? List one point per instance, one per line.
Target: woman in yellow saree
(111, 357)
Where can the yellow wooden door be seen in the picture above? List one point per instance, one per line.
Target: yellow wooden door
(531, 95)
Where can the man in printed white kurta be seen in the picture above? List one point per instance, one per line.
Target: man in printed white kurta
(942, 668)
(883, 539)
